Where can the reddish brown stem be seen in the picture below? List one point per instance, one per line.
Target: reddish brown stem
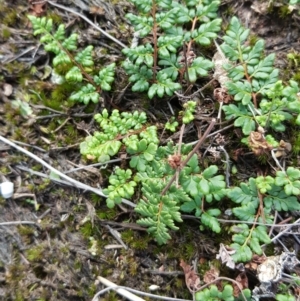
(154, 34)
(193, 151)
(249, 80)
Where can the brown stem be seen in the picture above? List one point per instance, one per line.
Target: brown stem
(185, 54)
(254, 100)
(86, 75)
(154, 34)
(192, 152)
(192, 29)
(179, 151)
(249, 80)
(261, 207)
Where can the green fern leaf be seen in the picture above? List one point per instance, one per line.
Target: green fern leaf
(84, 57)
(207, 31)
(208, 219)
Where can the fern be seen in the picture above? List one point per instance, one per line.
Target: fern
(76, 64)
(169, 19)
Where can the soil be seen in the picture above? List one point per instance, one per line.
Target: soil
(73, 237)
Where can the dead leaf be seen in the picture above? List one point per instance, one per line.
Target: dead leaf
(220, 74)
(202, 260)
(260, 8)
(37, 8)
(192, 280)
(221, 95)
(211, 275)
(283, 149)
(91, 212)
(242, 283)
(186, 57)
(258, 143)
(225, 253)
(174, 161)
(96, 10)
(161, 268)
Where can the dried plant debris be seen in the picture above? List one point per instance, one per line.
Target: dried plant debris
(220, 74)
(258, 143)
(271, 271)
(192, 280)
(225, 253)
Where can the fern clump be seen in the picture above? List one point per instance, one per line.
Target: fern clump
(254, 77)
(159, 67)
(115, 130)
(246, 240)
(78, 66)
(151, 168)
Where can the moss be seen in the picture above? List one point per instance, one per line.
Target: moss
(189, 250)
(179, 283)
(70, 134)
(17, 69)
(127, 236)
(65, 250)
(253, 39)
(59, 96)
(43, 185)
(107, 272)
(284, 11)
(263, 159)
(57, 19)
(19, 296)
(294, 59)
(15, 272)
(35, 254)
(92, 290)
(26, 230)
(133, 268)
(4, 170)
(111, 296)
(2, 201)
(228, 12)
(9, 16)
(107, 213)
(96, 200)
(51, 127)
(5, 34)
(14, 120)
(39, 99)
(296, 143)
(77, 265)
(71, 131)
(296, 77)
(27, 233)
(269, 250)
(87, 229)
(63, 68)
(140, 243)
